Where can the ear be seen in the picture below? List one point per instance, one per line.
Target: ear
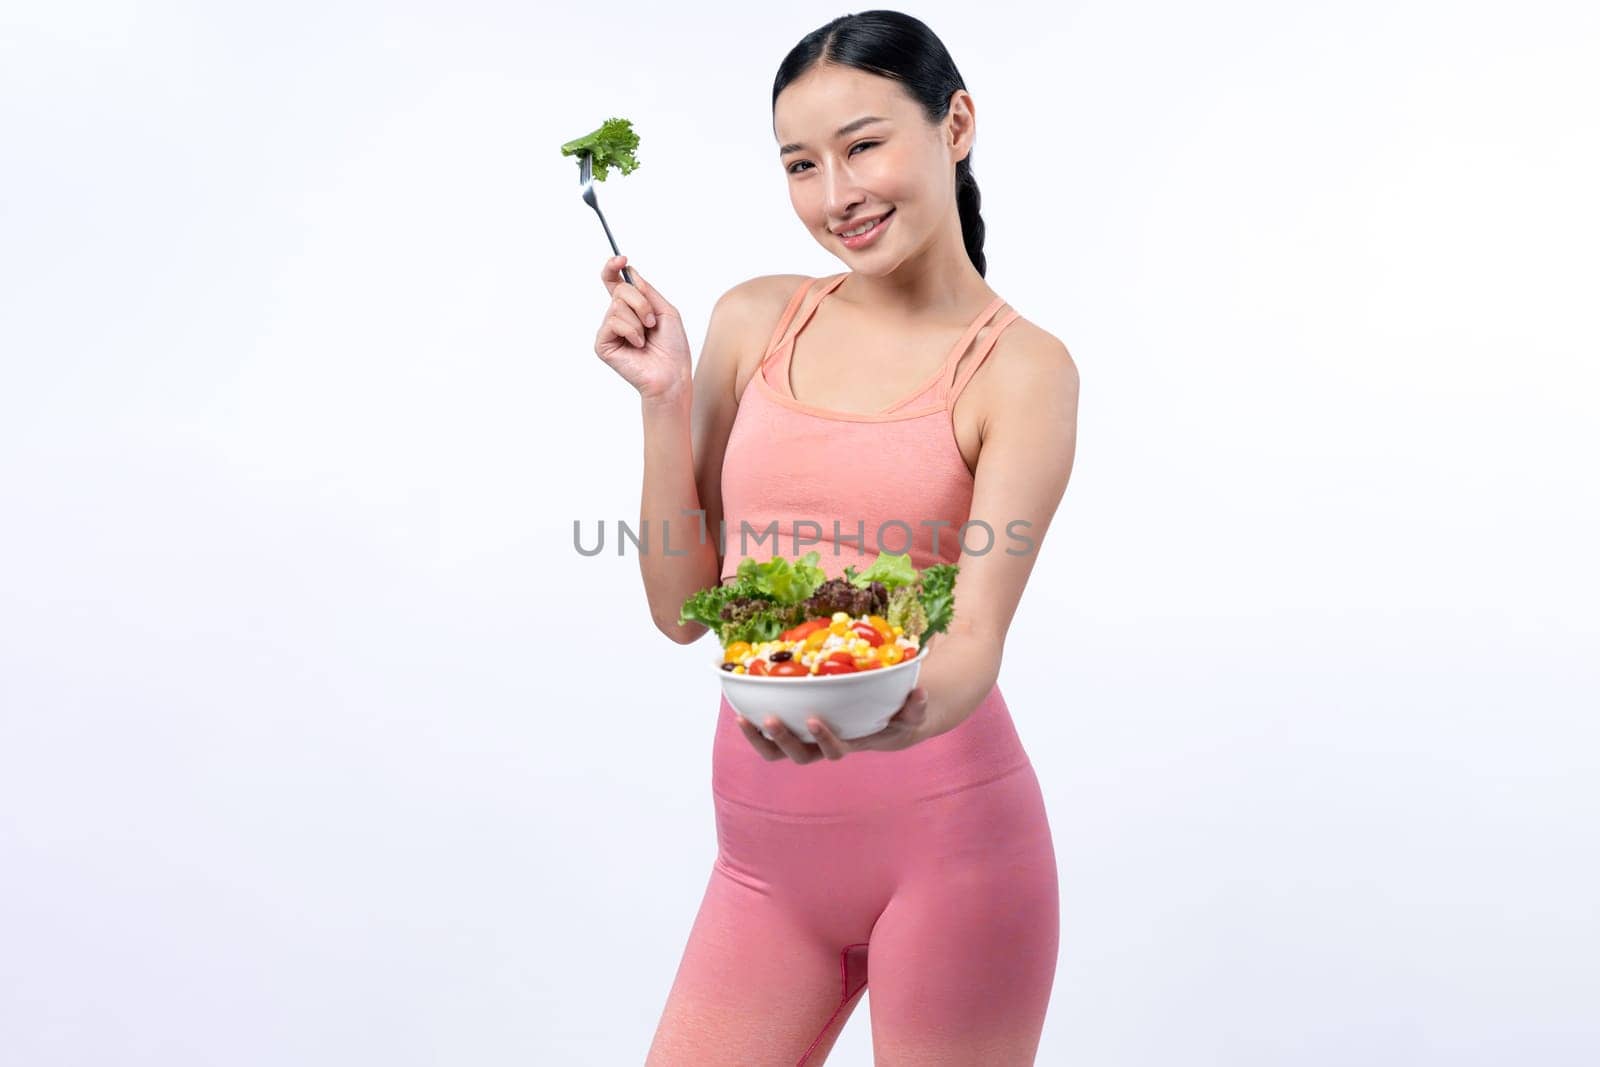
(961, 124)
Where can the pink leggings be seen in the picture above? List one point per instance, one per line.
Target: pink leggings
(948, 893)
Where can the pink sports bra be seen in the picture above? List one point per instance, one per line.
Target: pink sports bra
(849, 484)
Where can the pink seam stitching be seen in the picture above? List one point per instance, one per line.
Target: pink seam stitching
(797, 300)
(808, 816)
(947, 375)
(957, 383)
(945, 372)
(803, 320)
(844, 989)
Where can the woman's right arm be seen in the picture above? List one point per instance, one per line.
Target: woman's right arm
(687, 419)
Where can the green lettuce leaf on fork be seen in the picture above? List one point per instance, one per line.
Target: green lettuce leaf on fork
(612, 145)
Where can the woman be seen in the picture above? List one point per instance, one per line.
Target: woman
(922, 850)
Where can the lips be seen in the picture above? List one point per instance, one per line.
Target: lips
(858, 223)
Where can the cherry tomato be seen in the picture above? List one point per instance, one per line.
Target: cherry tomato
(871, 664)
(841, 656)
(868, 633)
(800, 632)
(757, 666)
(833, 666)
(788, 669)
(911, 653)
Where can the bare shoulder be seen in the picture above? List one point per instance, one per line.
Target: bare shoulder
(1026, 348)
(754, 297)
(751, 310)
(1029, 371)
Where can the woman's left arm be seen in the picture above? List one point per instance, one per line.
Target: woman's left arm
(1030, 431)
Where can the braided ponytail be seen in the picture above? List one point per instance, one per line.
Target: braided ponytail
(968, 201)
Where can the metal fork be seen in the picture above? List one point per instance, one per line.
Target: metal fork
(586, 179)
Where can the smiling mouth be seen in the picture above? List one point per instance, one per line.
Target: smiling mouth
(857, 231)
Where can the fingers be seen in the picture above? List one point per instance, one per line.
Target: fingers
(788, 744)
(656, 300)
(768, 750)
(791, 745)
(611, 271)
(625, 325)
(915, 709)
(831, 746)
(630, 313)
(634, 296)
(904, 728)
(912, 718)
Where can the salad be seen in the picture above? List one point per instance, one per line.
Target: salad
(612, 145)
(787, 619)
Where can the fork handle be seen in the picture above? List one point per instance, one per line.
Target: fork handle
(614, 249)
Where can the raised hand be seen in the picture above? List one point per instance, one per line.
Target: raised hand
(642, 336)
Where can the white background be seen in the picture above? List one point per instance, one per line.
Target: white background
(320, 743)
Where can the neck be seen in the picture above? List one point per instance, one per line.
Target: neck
(938, 281)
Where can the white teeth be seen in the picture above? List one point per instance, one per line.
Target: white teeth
(863, 228)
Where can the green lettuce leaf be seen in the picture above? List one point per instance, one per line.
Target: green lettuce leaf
(612, 145)
(905, 611)
(938, 595)
(705, 607)
(756, 626)
(785, 582)
(780, 583)
(890, 569)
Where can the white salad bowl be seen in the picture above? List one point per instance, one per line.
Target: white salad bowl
(853, 705)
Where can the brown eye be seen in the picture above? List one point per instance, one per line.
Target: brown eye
(863, 144)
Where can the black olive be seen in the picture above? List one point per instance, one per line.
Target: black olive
(781, 655)
(730, 665)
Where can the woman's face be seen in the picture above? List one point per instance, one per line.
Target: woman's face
(899, 165)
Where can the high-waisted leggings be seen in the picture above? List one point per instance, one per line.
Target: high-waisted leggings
(928, 873)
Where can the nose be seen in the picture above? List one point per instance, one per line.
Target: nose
(840, 192)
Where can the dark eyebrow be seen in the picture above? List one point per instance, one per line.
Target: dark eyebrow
(849, 127)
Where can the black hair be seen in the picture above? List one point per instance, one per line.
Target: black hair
(898, 46)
